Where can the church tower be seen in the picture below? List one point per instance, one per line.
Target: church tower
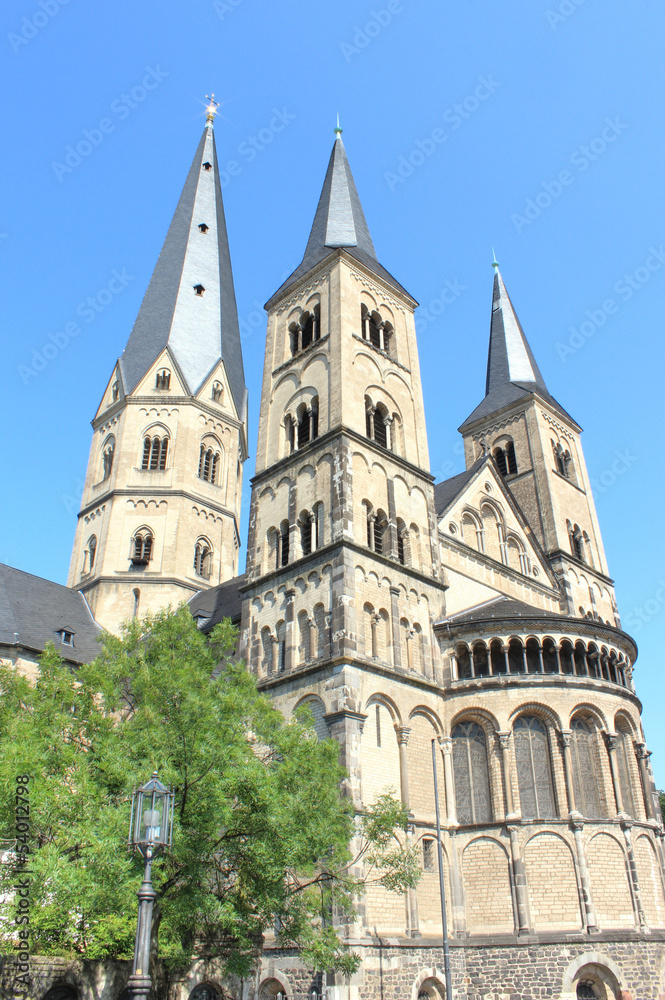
(343, 575)
(537, 448)
(160, 511)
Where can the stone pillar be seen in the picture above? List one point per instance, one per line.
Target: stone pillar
(346, 727)
(376, 618)
(519, 881)
(585, 884)
(275, 655)
(403, 733)
(290, 652)
(409, 647)
(643, 761)
(314, 651)
(565, 737)
(504, 745)
(506, 659)
(557, 650)
(388, 423)
(611, 740)
(541, 665)
(632, 872)
(370, 530)
(394, 621)
(390, 534)
(446, 744)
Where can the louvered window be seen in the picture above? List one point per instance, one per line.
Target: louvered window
(534, 775)
(585, 780)
(472, 789)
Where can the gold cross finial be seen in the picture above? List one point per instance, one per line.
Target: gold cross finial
(211, 110)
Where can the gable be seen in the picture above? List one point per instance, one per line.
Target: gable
(483, 516)
(147, 386)
(218, 379)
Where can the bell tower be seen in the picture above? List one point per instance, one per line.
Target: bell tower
(537, 447)
(160, 510)
(343, 575)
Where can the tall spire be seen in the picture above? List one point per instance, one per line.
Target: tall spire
(512, 371)
(190, 304)
(339, 222)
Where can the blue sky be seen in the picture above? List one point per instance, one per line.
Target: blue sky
(533, 128)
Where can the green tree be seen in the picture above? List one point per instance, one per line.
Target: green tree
(261, 834)
(661, 799)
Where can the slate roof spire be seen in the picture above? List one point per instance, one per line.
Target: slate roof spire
(198, 328)
(339, 221)
(512, 370)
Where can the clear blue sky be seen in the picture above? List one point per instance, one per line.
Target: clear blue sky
(541, 91)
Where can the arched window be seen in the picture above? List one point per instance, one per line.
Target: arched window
(91, 552)
(585, 990)
(108, 451)
(284, 543)
(401, 542)
(306, 532)
(217, 392)
(576, 541)
(504, 456)
(534, 775)
(585, 779)
(308, 422)
(163, 379)
(306, 332)
(376, 525)
(624, 753)
(203, 558)
(379, 429)
(304, 635)
(142, 545)
(472, 785)
(115, 392)
(209, 462)
(266, 650)
(155, 450)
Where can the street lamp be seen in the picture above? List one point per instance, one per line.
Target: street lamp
(150, 831)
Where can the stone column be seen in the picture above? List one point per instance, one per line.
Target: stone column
(394, 621)
(565, 737)
(370, 530)
(632, 872)
(504, 745)
(585, 884)
(314, 651)
(409, 647)
(611, 740)
(541, 664)
(275, 654)
(403, 733)
(643, 762)
(519, 880)
(290, 652)
(346, 727)
(506, 659)
(557, 650)
(376, 618)
(388, 423)
(446, 744)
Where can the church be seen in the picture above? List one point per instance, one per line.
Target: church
(478, 612)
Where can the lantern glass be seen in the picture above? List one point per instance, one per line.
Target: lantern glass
(152, 816)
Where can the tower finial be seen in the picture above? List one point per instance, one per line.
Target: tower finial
(495, 263)
(338, 130)
(211, 110)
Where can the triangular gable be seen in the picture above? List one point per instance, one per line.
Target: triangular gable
(177, 385)
(466, 505)
(110, 396)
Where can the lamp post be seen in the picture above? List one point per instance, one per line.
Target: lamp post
(150, 831)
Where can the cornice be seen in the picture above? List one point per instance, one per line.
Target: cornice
(324, 440)
(166, 400)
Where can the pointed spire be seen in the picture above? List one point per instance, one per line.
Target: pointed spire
(199, 327)
(512, 371)
(339, 221)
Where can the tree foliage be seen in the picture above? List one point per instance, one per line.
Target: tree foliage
(261, 832)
